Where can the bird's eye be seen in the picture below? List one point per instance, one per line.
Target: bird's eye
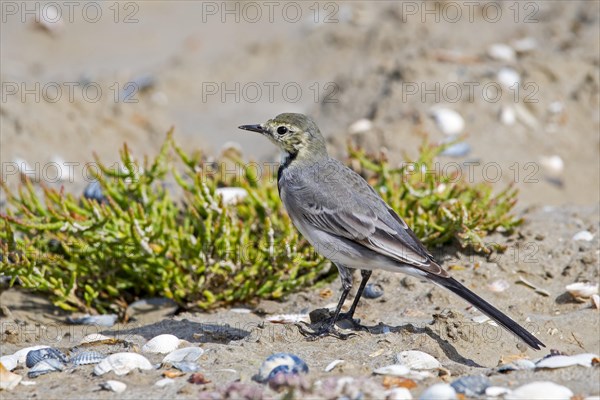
(282, 130)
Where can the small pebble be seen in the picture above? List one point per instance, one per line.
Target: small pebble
(114, 386)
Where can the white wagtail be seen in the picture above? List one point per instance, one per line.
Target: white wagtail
(347, 221)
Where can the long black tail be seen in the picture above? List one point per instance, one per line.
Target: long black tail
(503, 320)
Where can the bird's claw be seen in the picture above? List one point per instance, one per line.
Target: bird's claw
(325, 329)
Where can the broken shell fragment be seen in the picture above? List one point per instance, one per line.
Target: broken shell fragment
(122, 364)
(417, 360)
(9, 362)
(8, 380)
(162, 344)
(21, 355)
(393, 370)
(35, 356)
(114, 386)
(582, 290)
(586, 236)
(186, 354)
(44, 367)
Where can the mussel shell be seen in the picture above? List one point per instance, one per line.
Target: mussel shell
(35, 356)
(87, 357)
(45, 366)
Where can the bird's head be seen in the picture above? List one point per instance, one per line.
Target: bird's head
(295, 134)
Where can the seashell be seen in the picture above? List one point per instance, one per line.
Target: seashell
(393, 370)
(114, 386)
(471, 386)
(480, 319)
(508, 77)
(439, 391)
(87, 357)
(525, 44)
(97, 338)
(161, 344)
(93, 191)
(35, 356)
(417, 360)
(398, 393)
(448, 121)
(582, 289)
(540, 390)
(363, 125)
(460, 149)
(496, 391)
(596, 301)
(586, 236)
(186, 354)
(164, 382)
(501, 52)
(373, 291)
(21, 355)
(44, 367)
(9, 362)
(517, 365)
(560, 361)
(122, 363)
(508, 115)
(286, 363)
(231, 195)
(553, 164)
(332, 365)
(8, 380)
(288, 318)
(498, 286)
(186, 366)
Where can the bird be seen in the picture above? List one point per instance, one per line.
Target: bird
(349, 223)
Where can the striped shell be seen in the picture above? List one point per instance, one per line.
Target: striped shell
(87, 357)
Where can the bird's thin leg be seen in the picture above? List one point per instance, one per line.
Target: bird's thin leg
(366, 274)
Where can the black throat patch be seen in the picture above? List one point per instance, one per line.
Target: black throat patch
(288, 160)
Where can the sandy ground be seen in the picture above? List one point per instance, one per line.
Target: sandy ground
(363, 63)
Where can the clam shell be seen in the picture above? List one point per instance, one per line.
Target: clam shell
(393, 370)
(8, 380)
(161, 344)
(186, 354)
(122, 363)
(582, 289)
(44, 367)
(540, 390)
(448, 121)
(35, 356)
(96, 337)
(87, 357)
(471, 386)
(560, 361)
(21, 355)
(439, 391)
(114, 386)
(417, 360)
(9, 362)
(286, 363)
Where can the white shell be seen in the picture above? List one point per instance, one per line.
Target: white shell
(508, 115)
(582, 289)
(231, 195)
(94, 337)
(186, 354)
(21, 355)
(448, 121)
(398, 393)
(361, 126)
(501, 52)
(596, 301)
(288, 318)
(498, 286)
(161, 344)
(439, 391)
(8, 380)
(417, 360)
(584, 359)
(122, 363)
(496, 391)
(584, 235)
(508, 77)
(525, 44)
(164, 382)
(333, 364)
(553, 164)
(393, 370)
(114, 386)
(10, 362)
(540, 390)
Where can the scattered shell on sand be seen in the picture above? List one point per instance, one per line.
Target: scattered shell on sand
(525, 44)
(288, 318)
(586, 236)
(439, 391)
(554, 164)
(186, 354)
(582, 290)
(399, 393)
(96, 338)
(498, 286)
(35, 356)
(106, 320)
(448, 121)
(285, 363)
(501, 52)
(87, 357)
(508, 115)
(9, 362)
(537, 289)
(162, 344)
(114, 386)
(540, 390)
(8, 380)
(393, 370)
(333, 364)
(471, 386)
(560, 361)
(122, 363)
(417, 360)
(164, 382)
(44, 367)
(496, 391)
(21, 355)
(361, 126)
(516, 365)
(231, 195)
(508, 77)
(596, 301)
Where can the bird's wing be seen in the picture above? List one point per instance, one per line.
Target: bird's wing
(344, 205)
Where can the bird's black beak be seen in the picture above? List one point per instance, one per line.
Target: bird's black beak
(253, 128)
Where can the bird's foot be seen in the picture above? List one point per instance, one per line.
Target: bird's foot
(323, 330)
